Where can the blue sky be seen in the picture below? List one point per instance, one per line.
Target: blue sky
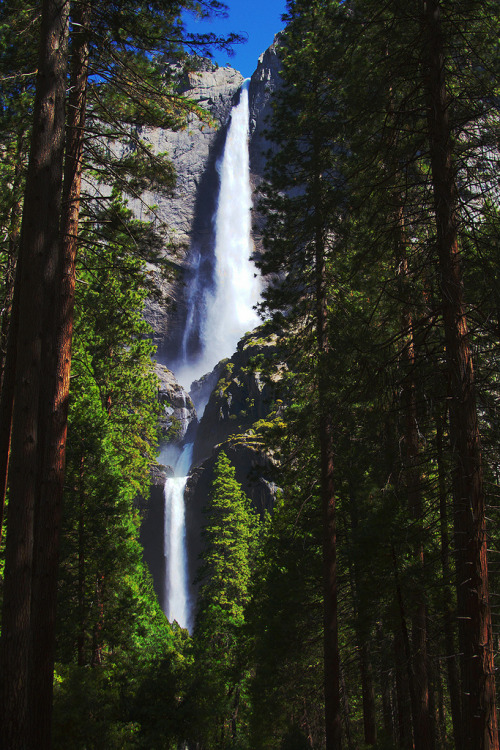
(260, 19)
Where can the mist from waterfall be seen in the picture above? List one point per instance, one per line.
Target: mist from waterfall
(228, 299)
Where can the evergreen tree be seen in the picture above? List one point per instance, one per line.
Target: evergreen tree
(219, 651)
(354, 169)
(109, 621)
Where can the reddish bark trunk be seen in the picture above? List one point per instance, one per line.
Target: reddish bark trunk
(58, 366)
(478, 689)
(420, 691)
(39, 244)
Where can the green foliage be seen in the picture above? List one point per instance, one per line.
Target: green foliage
(220, 658)
(351, 170)
(111, 633)
(229, 538)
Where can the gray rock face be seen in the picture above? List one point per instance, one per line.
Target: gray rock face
(178, 409)
(263, 84)
(240, 398)
(189, 212)
(241, 395)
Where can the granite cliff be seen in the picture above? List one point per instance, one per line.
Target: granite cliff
(236, 395)
(195, 151)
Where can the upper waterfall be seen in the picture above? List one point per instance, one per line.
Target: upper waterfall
(223, 305)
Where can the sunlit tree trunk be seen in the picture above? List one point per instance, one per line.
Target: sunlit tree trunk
(57, 367)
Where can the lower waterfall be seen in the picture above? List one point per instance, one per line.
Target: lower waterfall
(226, 304)
(176, 598)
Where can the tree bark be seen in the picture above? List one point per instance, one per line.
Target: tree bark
(333, 716)
(38, 247)
(449, 641)
(420, 691)
(59, 324)
(478, 685)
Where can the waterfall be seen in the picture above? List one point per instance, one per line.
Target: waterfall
(227, 300)
(176, 595)
(225, 305)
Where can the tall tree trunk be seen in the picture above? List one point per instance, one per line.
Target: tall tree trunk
(449, 641)
(56, 381)
(478, 689)
(420, 692)
(362, 630)
(333, 713)
(404, 720)
(38, 247)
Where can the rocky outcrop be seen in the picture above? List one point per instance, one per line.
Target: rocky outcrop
(263, 85)
(178, 412)
(241, 397)
(201, 389)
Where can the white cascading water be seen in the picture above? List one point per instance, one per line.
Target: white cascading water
(228, 306)
(236, 289)
(177, 604)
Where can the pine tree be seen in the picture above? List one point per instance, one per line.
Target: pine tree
(225, 574)
(357, 157)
